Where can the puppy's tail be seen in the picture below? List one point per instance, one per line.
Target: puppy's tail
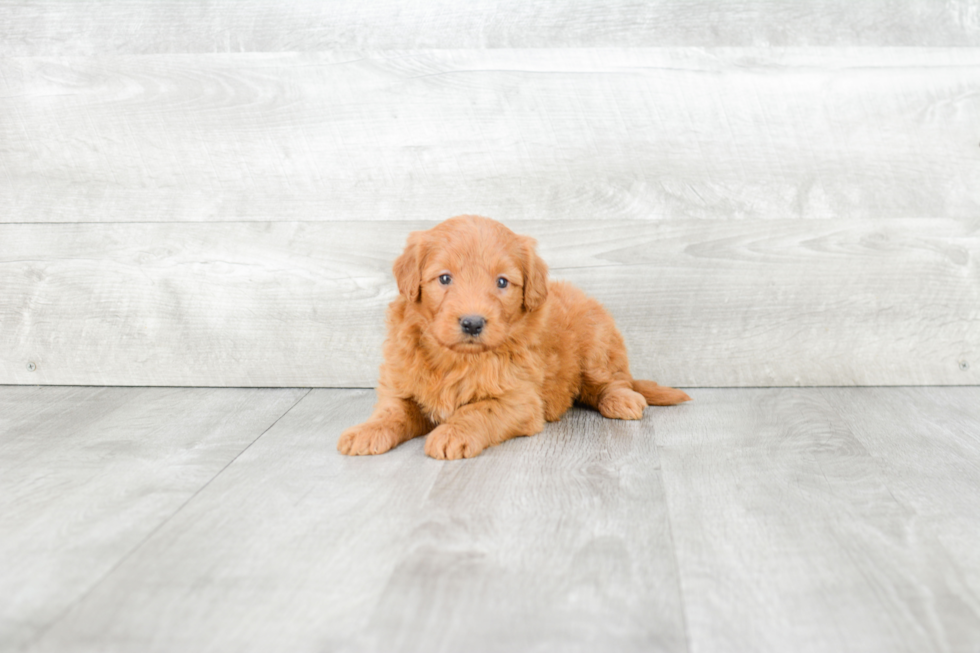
(659, 395)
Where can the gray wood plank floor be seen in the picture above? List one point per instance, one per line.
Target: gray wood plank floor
(824, 519)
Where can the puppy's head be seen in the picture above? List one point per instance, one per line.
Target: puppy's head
(473, 281)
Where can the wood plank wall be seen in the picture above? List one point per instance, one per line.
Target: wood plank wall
(762, 192)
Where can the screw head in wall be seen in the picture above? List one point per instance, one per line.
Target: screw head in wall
(31, 367)
(964, 365)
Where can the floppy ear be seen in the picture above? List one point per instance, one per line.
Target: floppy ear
(408, 268)
(535, 275)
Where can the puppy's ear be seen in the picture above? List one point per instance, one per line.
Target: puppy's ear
(408, 268)
(535, 275)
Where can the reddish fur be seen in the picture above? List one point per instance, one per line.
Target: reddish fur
(545, 346)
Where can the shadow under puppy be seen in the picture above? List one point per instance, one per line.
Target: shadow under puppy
(482, 348)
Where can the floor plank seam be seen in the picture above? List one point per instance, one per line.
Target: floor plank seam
(82, 597)
(673, 550)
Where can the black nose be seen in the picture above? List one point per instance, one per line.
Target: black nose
(472, 325)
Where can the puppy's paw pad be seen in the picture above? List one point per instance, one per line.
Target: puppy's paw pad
(623, 404)
(366, 439)
(446, 443)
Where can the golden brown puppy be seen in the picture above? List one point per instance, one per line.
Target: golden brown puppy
(482, 347)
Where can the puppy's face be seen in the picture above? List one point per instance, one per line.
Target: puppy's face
(472, 280)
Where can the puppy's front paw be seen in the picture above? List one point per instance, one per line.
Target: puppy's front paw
(367, 438)
(447, 443)
(622, 404)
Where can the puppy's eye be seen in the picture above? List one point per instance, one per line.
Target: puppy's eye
(502, 283)
(445, 279)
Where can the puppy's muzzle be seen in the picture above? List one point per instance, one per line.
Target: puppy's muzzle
(472, 325)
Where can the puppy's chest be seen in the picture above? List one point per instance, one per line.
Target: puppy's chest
(441, 392)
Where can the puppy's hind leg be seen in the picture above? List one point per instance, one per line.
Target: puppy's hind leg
(612, 394)
(608, 386)
(619, 401)
(623, 399)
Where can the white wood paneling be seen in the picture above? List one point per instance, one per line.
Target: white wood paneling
(701, 303)
(655, 133)
(88, 474)
(169, 26)
(763, 192)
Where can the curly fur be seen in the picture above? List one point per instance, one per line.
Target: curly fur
(544, 346)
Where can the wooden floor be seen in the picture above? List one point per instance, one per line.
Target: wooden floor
(814, 519)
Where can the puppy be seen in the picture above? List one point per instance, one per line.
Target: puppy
(482, 348)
